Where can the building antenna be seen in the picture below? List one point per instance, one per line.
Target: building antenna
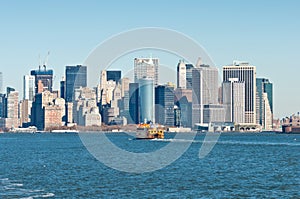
(39, 61)
(46, 60)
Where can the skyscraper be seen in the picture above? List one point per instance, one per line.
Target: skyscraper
(246, 73)
(43, 79)
(264, 103)
(205, 90)
(62, 88)
(114, 75)
(133, 103)
(234, 100)
(12, 109)
(181, 75)
(1, 83)
(146, 94)
(146, 68)
(184, 75)
(164, 105)
(76, 77)
(28, 87)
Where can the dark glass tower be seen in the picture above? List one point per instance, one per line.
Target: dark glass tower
(114, 75)
(164, 105)
(76, 77)
(133, 103)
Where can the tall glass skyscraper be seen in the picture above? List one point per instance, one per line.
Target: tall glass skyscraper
(164, 105)
(146, 93)
(76, 77)
(114, 75)
(246, 73)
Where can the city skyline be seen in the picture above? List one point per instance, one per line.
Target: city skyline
(266, 39)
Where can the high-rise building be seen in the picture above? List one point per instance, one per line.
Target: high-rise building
(146, 94)
(184, 75)
(2, 105)
(181, 75)
(12, 109)
(164, 105)
(24, 112)
(264, 103)
(233, 99)
(1, 82)
(28, 87)
(146, 68)
(114, 75)
(62, 88)
(76, 77)
(43, 79)
(133, 103)
(246, 73)
(205, 90)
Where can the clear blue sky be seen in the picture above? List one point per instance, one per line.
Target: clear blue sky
(265, 33)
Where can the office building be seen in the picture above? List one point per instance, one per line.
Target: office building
(246, 73)
(264, 103)
(76, 77)
(205, 90)
(25, 112)
(234, 100)
(28, 87)
(164, 105)
(12, 109)
(1, 82)
(62, 88)
(146, 94)
(114, 75)
(133, 103)
(146, 68)
(85, 109)
(43, 79)
(41, 100)
(184, 75)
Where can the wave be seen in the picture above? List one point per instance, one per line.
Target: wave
(15, 188)
(232, 142)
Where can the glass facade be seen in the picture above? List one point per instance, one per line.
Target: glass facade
(76, 77)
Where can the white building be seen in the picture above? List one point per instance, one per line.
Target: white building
(146, 68)
(234, 100)
(28, 87)
(205, 90)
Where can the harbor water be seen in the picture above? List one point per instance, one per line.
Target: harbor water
(253, 165)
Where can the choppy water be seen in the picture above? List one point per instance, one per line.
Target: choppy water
(239, 166)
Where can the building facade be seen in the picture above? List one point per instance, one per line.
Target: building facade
(76, 77)
(114, 75)
(264, 103)
(133, 103)
(28, 87)
(164, 105)
(43, 79)
(233, 99)
(205, 90)
(246, 73)
(146, 68)
(146, 95)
